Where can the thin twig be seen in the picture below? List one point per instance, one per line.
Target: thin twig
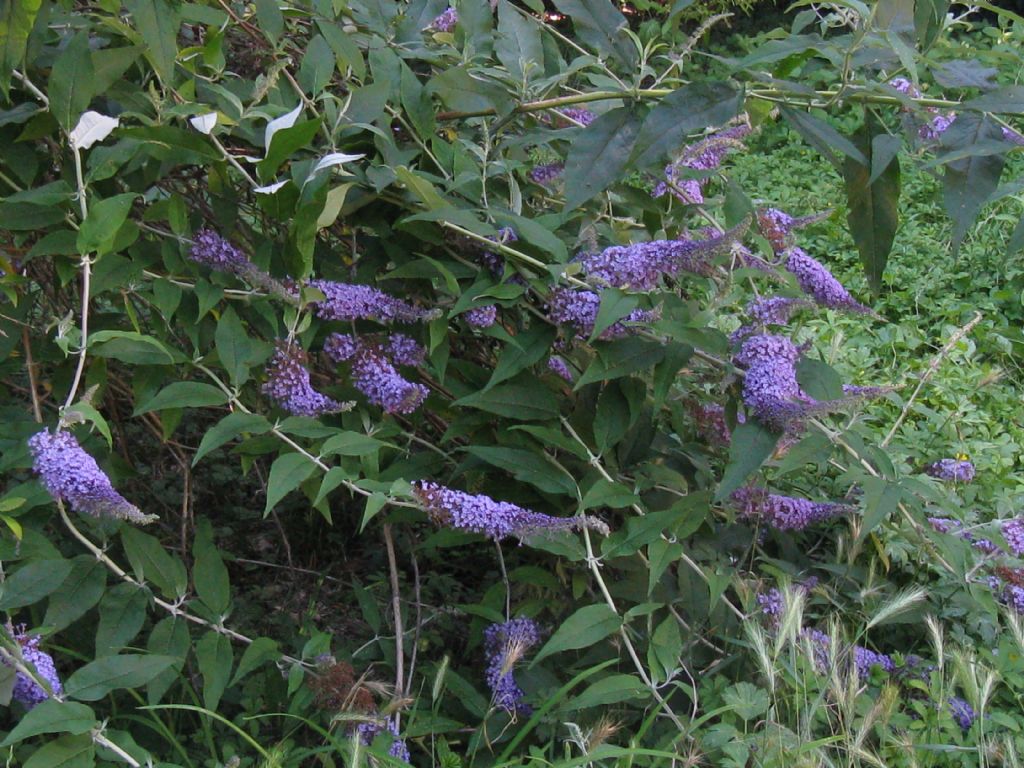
(933, 366)
(396, 607)
(30, 366)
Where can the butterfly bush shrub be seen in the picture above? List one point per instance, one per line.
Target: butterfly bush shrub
(411, 383)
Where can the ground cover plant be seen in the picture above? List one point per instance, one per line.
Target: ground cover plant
(402, 383)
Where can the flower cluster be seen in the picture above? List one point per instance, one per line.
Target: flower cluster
(27, 691)
(504, 645)
(941, 121)
(777, 226)
(948, 525)
(72, 475)
(1013, 532)
(211, 250)
(482, 317)
(710, 422)
(770, 387)
(495, 519)
(559, 367)
(495, 262)
(962, 712)
(864, 659)
(373, 369)
(818, 283)
(348, 301)
(578, 115)
(705, 155)
(579, 310)
(446, 21)
(369, 729)
(952, 470)
(784, 513)
(775, 310)
(289, 386)
(546, 172)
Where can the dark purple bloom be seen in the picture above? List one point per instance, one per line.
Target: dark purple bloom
(482, 317)
(770, 387)
(904, 86)
(784, 513)
(402, 349)
(705, 155)
(1012, 136)
(496, 519)
(1013, 595)
(710, 422)
(775, 310)
(944, 524)
(26, 690)
(937, 126)
(72, 475)
(962, 712)
(505, 645)
(558, 366)
(771, 605)
(496, 262)
(1013, 532)
(446, 21)
(952, 470)
(213, 251)
(289, 386)
(546, 172)
(369, 729)
(864, 659)
(640, 266)
(347, 301)
(578, 114)
(777, 226)
(579, 309)
(373, 373)
(817, 282)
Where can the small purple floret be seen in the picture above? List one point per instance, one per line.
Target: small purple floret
(579, 309)
(952, 470)
(289, 386)
(784, 513)
(505, 645)
(962, 712)
(374, 374)
(26, 690)
(446, 21)
(542, 174)
(559, 367)
(1013, 532)
(818, 283)
(347, 302)
(482, 317)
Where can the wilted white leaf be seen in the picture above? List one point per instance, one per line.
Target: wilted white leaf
(279, 123)
(270, 188)
(92, 127)
(335, 158)
(204, 123)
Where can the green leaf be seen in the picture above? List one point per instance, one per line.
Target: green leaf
(614, 306)
(528, 348)
(518, 45)
(228, 428)
(16, 21)
(967, 183)
(600, 25)
(599, 155)
(64, 752)
(122, 612)
(587, 626)
(818, 379)
(271, 20)
(613, 689)
(880, 500)
(284, 144)
(351, 444)
(99, 230)
(522, 402)
(666, 648)
(151, 561)
(215, 658)
(317, 66)
(460, 90)
(621, 358)
(169, 638)
(747, 700)
(157, 22)
(20, 217)
(129, 347)
(32, 582)
(238, 353)
(71, 82)
(259, 652)
(110, 63)
(606, 493)
(929, 17)
(375, 502)
(98, 678)
(751, 445)
(81, 590)
(183, 394)
(527, 467)
(872, 205)
(287, 473)
(824, 137)
(52, 716)
(209, 573)
(612, 420)
(685, 111)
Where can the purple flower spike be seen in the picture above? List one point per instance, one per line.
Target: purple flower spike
(784, 513)
(213, 251)
(495, 519)
(952, 470)
(482, 317)
(403, 350)
(505, 645)
(26, 690)
(1013, 532)
(542, 174)
(446, 21)
(579, 310)
(962, 712)
(346, 301)
(770, 387)
(817, 282)
(578, 114)
(710, 422)
(775, 310)
(289, 386)
(906, 87)
(368, 732)
(72, 475)
(373, 373)
(705, 155)
(937, 126)
(559, 367)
